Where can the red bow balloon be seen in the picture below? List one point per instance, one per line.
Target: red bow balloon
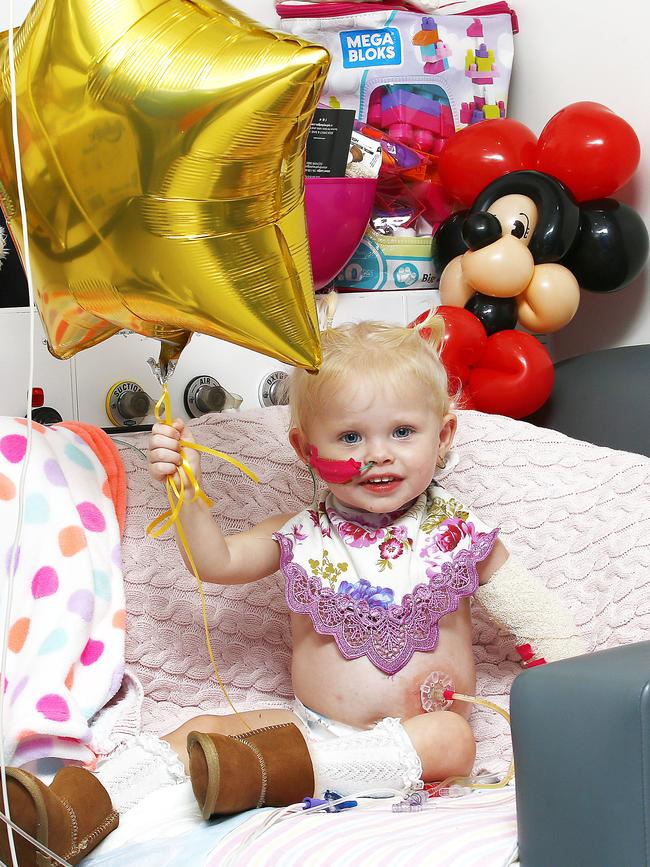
(514, 376)
(509, 373)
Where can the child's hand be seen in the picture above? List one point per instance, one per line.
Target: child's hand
(164, 452)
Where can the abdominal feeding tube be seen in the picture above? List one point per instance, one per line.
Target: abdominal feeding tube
(437, 693)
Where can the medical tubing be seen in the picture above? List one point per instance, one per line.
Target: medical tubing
(13, 562)
(287, 812)
(470, 782)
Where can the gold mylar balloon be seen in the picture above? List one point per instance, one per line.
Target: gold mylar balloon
(162, 147)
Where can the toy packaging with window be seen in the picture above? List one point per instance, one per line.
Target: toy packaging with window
(418, 77)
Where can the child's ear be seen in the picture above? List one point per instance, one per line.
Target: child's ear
(299, 443)
(447, 433)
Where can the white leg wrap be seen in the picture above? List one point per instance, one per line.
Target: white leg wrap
(519, 603)
(139, 766)
(382, 758)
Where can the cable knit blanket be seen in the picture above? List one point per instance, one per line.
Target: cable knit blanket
(576, 514)
(65, 656)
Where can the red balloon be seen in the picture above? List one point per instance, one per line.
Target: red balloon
(515, 375)
(462, 345)
(482, 152)
(590, 149)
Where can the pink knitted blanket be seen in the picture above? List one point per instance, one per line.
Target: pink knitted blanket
(576, 514)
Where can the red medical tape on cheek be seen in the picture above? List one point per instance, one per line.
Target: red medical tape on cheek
(335, 472)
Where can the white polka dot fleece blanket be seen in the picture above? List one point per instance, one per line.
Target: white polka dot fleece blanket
(65, 656)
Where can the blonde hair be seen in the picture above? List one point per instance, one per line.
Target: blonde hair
(387, 354)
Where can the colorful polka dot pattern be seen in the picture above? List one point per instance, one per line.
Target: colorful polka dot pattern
(66, 640)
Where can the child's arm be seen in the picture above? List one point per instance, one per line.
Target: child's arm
(519, 603)
(219, 559)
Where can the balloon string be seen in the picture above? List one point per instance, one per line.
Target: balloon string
(177, 498)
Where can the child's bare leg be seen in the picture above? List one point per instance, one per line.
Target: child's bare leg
(228, 724)
(444, 742)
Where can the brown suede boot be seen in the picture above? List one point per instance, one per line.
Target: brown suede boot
(70, 817)
(267, 767)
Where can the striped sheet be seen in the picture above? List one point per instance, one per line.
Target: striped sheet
(478, 830)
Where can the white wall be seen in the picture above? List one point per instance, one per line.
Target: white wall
(569, 50)
(591, 50)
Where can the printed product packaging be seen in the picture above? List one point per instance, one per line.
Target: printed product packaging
(419, 77)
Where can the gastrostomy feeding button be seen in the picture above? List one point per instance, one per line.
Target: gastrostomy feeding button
(434, 692)
(127, 404)
(204, 394)
(336, 472)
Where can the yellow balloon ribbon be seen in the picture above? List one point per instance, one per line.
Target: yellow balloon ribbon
(177, 498)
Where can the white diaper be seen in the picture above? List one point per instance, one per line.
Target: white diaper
(317, 727)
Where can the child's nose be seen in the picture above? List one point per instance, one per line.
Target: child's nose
(379, 453)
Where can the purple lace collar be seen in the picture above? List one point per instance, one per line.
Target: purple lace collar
(380, 589)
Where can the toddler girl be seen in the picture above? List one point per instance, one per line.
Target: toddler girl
(379, 574)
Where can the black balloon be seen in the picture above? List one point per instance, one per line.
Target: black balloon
(448, 239)
(496, 314)
(559, 212)
(611, 247)
(481, 229)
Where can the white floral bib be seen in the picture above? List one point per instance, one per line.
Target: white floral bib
(379, 584)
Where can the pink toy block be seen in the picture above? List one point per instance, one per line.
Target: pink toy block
(374, 108)
(436, 67)
(401, 132)
(480, 77)
(403, 101)
(423, 139)
(410, 116)
(447, 125)
(475, 29)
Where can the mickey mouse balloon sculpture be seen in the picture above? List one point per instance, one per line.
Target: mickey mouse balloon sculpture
(536, 232)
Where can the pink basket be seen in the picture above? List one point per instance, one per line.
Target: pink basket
(338, 210)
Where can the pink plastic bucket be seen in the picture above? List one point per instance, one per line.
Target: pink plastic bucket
(338, 210)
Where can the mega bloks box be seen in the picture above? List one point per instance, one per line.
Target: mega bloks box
(420, 78)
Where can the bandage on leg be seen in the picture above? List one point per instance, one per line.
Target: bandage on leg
(382, 759)
(138, 767)
(516, 601)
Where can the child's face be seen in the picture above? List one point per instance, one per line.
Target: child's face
(398, 429)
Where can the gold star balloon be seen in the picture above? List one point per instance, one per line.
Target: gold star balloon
(162, 146)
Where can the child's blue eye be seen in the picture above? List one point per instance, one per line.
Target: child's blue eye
(351, 438)
(401, 433)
